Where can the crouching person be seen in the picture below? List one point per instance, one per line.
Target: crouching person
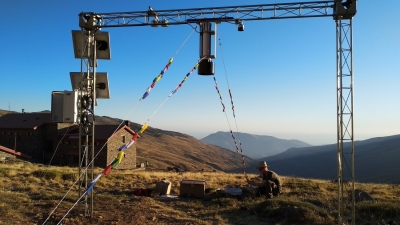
(271, 183)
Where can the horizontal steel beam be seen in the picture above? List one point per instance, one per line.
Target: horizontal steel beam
(152, 17)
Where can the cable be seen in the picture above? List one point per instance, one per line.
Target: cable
(140, 131)
(59, 144)
(108, 140)
(233, 108)
(71, 209)
(193, 29)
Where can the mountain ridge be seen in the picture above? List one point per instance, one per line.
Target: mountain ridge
(253, 145)
(376, 160)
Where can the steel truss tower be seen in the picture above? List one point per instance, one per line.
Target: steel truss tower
(345, 124)
(342, 12)
(86, 111)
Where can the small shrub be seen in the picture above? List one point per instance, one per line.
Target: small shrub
(69, 176)
(379, 209)
(48, 175)
(3, 172)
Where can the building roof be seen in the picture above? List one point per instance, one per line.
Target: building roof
(24, 120)
(14, 153)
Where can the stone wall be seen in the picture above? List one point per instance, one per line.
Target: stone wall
(129, 162)
(43, 145)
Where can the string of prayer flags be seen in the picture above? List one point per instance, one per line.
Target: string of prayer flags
(234, 139)
(220, 96)
(233, 112)
(107, 170)
(130, 143)
(157, 78)
(141, 130)
(121, 153)
(241, 151)
(233, 107)
(185, 78)
(89, 189)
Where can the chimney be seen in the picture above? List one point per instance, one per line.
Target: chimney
(127, 123)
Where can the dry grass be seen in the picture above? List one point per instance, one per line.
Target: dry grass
(28, 194)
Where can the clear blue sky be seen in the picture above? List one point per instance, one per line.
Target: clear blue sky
(281, 73)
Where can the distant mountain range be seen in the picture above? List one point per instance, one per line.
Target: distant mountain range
(254, 146)
(376, 161)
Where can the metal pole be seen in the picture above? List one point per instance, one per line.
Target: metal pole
(93, 122)
(339, 119)
(79, 109)
(90, 40)
(352, 124)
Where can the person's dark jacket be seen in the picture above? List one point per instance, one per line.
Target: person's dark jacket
(272, 176)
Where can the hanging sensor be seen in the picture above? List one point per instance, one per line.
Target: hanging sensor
(206, 40)
(240, 26)
(206, 66)
(164, 23)
(155, 21)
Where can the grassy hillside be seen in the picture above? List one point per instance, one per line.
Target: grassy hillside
(164, 149)
(4, 112)
(30, 193)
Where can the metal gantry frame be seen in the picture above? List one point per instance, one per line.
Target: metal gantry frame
(342, 12)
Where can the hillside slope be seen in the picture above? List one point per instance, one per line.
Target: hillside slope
(254, 146)
(164, 149)
(4, 112)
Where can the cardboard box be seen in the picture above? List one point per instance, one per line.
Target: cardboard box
(163, 187)
(193, 188)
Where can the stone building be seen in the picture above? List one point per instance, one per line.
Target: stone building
(107, 140)
(34, 135)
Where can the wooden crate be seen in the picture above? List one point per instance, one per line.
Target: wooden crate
(163, 187)
(192, 188)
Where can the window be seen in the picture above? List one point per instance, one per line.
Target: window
(123, 139)
(18, 136)
(29, 133)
